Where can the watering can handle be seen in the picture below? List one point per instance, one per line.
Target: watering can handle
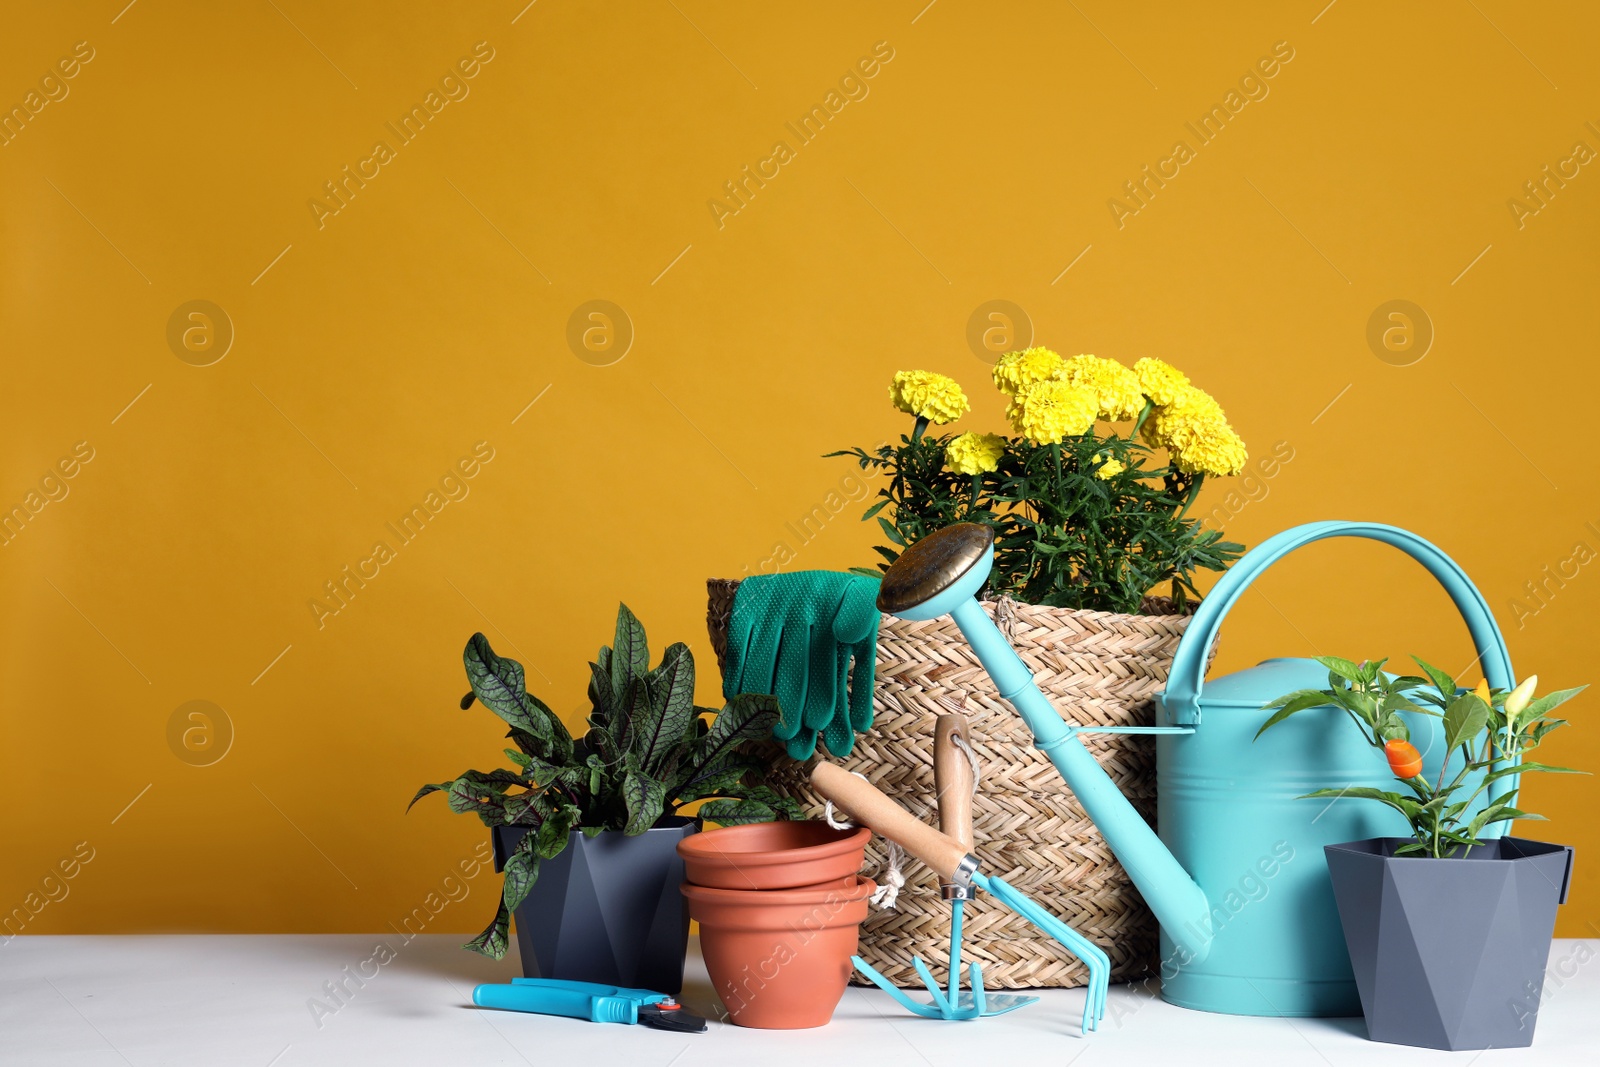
(870, 806)
(1182, 697)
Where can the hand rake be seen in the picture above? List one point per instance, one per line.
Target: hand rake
(954, 781)
(957, 868)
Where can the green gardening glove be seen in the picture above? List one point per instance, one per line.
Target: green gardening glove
(794, 636)
(856, 627)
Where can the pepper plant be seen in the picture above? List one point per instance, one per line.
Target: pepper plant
(1491, 730)
(649, 751)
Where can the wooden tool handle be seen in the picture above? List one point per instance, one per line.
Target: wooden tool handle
(952, 777)
(867, 804)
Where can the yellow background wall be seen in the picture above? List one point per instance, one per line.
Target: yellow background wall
(375, 347)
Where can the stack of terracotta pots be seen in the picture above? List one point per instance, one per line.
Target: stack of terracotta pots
(780, 907)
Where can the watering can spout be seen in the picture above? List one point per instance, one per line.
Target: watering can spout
(940, 575)
(1179, 904)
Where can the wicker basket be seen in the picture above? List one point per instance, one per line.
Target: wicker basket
(1103, 669)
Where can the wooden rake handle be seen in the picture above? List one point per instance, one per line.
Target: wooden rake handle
(868, 805)
(952, 777)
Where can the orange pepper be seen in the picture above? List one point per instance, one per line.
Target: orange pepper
(1404, 759)
(1482, 692)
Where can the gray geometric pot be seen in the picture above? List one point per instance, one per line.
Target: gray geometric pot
(1450, 953)
(607, 909)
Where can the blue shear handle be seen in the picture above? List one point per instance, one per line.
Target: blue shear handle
(575, 1000)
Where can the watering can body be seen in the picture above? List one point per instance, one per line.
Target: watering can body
(1231, 812)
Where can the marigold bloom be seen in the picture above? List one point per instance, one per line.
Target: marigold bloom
(1193, 428)
(927, 395)
(974, 453)
(1116, 388)
(1110, 469)
(1016, 371)
(1052, 410)
(1159, 381)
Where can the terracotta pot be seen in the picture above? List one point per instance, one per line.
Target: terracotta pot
(779, 959)
(774, 855)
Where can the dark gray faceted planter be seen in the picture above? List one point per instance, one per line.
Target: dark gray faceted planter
(608, 909)
(1450, 953)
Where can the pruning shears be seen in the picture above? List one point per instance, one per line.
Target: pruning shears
(589, 1000)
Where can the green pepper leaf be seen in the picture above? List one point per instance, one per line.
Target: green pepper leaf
(1539, 707)
(1506, 772)
(1464, 719)
(1445, 684)
(1403, 804)
(1342, 667)
(1394, 729)
(1536, 735)
(1492, 812)
(1293, 704)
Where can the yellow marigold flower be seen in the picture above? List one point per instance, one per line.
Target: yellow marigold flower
(1214, 450)
(974, 453)
(1193, 428)
(1016, 371)
(927, 395)
(1189, 411)
(1161, 382)
(1151, 430)
(1116, 388)
(1052, 410)
(1110, 469)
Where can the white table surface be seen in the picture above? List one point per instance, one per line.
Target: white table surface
(242, 1001)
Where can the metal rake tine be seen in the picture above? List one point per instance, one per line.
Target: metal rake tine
(925, 1010)
(1094, 1005)
(1105, 988)
(946, 1008)
(1094, 958)
(1094, 999)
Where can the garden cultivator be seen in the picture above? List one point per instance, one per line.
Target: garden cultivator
(950, 859)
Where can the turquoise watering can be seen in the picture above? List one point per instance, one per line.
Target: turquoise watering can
(1237, 877)
(1229, 808)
